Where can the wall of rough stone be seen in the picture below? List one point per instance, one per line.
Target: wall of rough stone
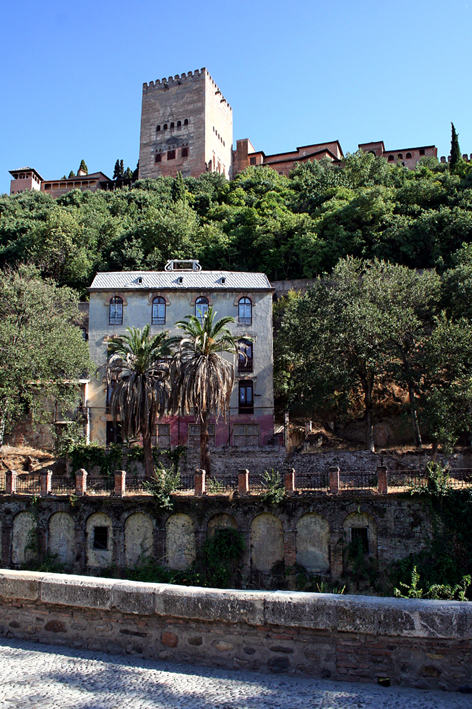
(424, 644)
(311, 530)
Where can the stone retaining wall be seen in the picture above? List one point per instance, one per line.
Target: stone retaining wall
(425, 644)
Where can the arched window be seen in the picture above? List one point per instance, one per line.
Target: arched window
(244, 356)
(201, 307)
(158, 311)
(186, 122)
(245, 311)
(115, 312)
(391, 158)
(158, 129)
(164, 127)
(172, 125)
(400, 156)
(408, 156)
(179, 123)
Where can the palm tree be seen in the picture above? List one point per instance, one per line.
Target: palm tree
(202, 379)
(141, 390)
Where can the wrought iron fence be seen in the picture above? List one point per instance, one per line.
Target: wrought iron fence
(222, 483)
(312, 481)
(358, 480)
(102, 485)
(28, 484)
(61, 485)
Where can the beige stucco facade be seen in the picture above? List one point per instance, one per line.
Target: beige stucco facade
(223, 291)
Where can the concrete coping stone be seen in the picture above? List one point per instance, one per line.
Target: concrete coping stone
(368, 615)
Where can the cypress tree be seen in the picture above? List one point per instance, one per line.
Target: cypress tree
(116, 172)
(455, 149)
(72, 173)
(178, 188)
(122, 168)
(83, 166)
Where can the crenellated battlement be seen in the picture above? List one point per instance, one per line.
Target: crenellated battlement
(177, 80)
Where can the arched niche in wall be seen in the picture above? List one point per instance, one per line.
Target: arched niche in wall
(267, 541)
(61, 538)
(360, 535)
(138, 539)
(312, 543)
(220, 521)
(180, 541)
(24, 538)
(99, 540)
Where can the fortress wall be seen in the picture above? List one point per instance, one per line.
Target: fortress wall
(414, 643)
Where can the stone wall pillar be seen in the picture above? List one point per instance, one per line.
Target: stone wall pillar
(120, 483)
(290, 547)
(243, 482)
(81, 482)
(290, 480)
(46, 482)
(10, 482)
(382, 475)
(200, 482)
(334, 480)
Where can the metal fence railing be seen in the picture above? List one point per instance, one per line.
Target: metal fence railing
(28, 484)
(100, 485)
(312, 481)
(358, 480)
(61, 485)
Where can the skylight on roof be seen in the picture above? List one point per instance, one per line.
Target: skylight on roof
(180, 265)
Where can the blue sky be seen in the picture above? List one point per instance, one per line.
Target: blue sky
(295, 73)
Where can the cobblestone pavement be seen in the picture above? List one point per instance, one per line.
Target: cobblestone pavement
(46, 676)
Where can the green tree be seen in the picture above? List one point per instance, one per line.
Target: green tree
(128, 174)
(339, 338)
(178, 188)
(122, 168)
(455, 149)
(72, 173)
(446, 396)
(42, 350)
(140, 394)
(117, 174)
(202, 379)
(83, 166)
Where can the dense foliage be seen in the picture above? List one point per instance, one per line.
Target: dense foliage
(42, 350)
(287, 227)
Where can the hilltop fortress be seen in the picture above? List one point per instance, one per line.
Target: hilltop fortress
(187, 127)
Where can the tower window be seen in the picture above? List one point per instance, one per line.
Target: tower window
(186, 122)
(158, 311)
(252, 161)
(422, 151)
(400, 156)
(170, 154)
(184, 152)
(408, 155)
(391, 158)
(164, 127)
(179, 123)
(158, 157)
(115, 314)
(158, 128)
(172, 125)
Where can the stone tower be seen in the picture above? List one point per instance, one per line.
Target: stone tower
(186, 126)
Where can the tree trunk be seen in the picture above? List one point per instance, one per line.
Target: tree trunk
(369, 415)
(148, 457)
(414, 415)
(205, 444)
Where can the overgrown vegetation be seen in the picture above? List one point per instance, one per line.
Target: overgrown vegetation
(445, 564)
(164, 482)
(275, 488)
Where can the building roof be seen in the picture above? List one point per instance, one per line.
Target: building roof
(26, 169)
(180, 280)
(92, 175)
